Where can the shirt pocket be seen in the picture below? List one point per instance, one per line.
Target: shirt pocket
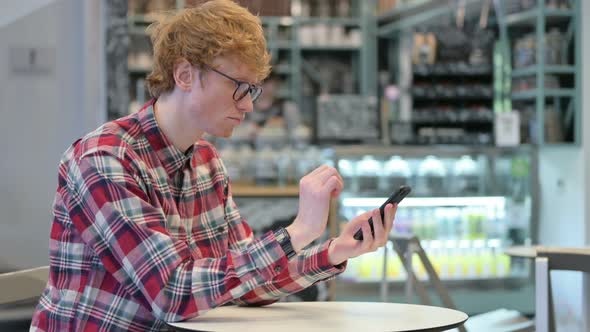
(210, 232)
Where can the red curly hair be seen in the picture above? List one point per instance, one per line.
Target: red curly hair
(202, 33)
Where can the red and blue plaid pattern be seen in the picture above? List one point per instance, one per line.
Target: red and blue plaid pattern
(144, 233)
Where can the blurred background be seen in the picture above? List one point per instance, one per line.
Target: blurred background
(476, 104)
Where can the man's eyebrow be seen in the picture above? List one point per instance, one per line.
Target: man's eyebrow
(244, 79)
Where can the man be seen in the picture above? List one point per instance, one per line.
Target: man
(145, 229)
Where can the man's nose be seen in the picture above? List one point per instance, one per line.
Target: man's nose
(245, 104)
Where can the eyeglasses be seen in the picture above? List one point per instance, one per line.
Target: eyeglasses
(242, 88)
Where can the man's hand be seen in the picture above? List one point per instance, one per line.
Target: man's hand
(315, 191)
(345, 246)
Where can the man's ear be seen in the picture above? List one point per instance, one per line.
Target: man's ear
(184, 75)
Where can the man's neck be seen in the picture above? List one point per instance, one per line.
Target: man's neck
(170, 118)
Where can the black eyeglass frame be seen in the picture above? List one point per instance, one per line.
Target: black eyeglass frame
(254, 90)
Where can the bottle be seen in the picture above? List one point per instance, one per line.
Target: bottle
(466, 259)
(465, 177)
(417, 223)
(266, 172)
(368, 171)
(487, 262)
(394, 267)
(443, 224)
(402, 224)
(230, 158)
(283, 163)
(429, 223)
(396, 172)
(454, 223)
(347, 169)
(246, 163)
(431, 177)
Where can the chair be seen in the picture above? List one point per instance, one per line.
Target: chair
(498, 320)
(19, 291)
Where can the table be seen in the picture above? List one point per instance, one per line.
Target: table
(547, 259)
(522, 251)
(326, 316)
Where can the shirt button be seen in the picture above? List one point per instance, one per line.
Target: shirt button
(225, 191)
(277, 269)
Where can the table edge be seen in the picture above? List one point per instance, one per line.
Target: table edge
(433, 329)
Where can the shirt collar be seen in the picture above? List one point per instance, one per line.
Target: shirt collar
(170, 156)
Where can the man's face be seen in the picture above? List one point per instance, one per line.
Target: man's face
(213, 108)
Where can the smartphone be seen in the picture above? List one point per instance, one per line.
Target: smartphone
(396, 197)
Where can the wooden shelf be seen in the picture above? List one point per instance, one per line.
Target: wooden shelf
(245, 190)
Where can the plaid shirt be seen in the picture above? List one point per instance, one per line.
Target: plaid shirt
(144, 234)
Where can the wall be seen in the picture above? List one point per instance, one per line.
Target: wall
(561, 221)
(41, 114)
(12, 10)
(586, 146)
(565, 214)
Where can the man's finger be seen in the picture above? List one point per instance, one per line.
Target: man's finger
(378, 227)
(333, 185)
(390, 212)
(355, 224)
(317, 170)
(326, 174)
(368, 239)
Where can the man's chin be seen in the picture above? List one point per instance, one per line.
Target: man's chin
(221, 134)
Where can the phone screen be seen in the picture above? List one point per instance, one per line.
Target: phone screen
(396, 197)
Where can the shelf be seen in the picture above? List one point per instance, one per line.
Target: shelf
(344, 21)
(448, 98)
(430, 74)
(136, 20)
(137, 31)
(283, 69)
(243, 190)
(529, 17)
(353, 151)
(139, 70)
(448, 123)
(277, 20)
(496, 201)
(284, 93)
(420, 13)
(335, 48)
(547, 93)
(532, 70)
(282, 45)
(452, 70)
(291, 20)
(406, 9)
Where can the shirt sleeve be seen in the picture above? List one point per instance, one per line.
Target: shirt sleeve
(112, 213)
(310, 266)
